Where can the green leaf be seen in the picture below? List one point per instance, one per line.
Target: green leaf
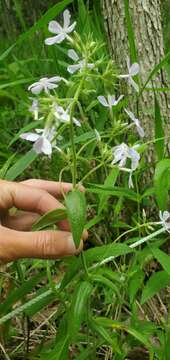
(78, 307)
(5, 167)
(135, 284)
(157, 282)
(163, 259)
(76, 211)
(114, 191)
(159, 133)
(116, 325)
(110, 181)
(18, 168)
(162, 183)
(155, 71)
(49, 219)
(105, 335)
(101, 253)
(106, 282)
(130, 32)
(17, 294)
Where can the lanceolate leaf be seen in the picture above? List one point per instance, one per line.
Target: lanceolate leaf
(18, 168)
(78, 307)
(76, 211)
(49, 219)
(157, 282)
(163, 259)
(110, 181)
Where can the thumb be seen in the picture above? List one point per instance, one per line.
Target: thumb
(39, 244)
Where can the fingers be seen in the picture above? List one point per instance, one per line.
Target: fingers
(54, 188)
(20, 222)
(26, 198)
(45, 244)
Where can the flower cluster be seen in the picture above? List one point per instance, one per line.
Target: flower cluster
(44, 139)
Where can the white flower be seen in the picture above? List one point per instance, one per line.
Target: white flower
(137, 123)
(45, 84)
(109, 101)
(123, 152)
(42, 139)
(80, 63)
(34, 108)
(61, 32)
(64, 116)
(164, 217)
(132, 71)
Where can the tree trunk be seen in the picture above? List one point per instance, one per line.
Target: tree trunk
(146, 21)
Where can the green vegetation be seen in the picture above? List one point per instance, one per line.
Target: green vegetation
(112, 300)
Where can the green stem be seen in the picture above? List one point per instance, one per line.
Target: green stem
(74, 173)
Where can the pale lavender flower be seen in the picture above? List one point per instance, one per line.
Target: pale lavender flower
(165, 220)
(123, 152)
(42, 139)
(34, 108)
(81, 64)
(45, 84)
(132, 71)
(64, 115)
(61, 32)
(109, 101)
(139, 128)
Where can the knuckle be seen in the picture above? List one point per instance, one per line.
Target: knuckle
(45, 244)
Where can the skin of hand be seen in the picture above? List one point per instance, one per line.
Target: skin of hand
(34, 197)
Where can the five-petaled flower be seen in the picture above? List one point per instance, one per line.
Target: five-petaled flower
(109, 101)
(81, 64)
(45, 84)
(132, 71)
(62, 115)
(165, 220)
(61, 32)
(136, 122)
(42, 139)
(123, 152)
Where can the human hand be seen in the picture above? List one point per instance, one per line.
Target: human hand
(34, 197)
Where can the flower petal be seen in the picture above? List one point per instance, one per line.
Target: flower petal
(42, 145)
(30, 136)
(111, 100)
(55, 39)
(73, 55)
(134, 69)
(71, 27)
(54, 27)
(66, 16)
(103, 101)
(76, 122)
(130, 114)
(55, 79)
(36, 89)
(73, 68)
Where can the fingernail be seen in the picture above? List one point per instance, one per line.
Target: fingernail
(72, 248)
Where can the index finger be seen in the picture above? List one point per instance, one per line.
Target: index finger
(55, 188)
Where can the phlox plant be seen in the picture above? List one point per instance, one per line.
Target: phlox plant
(86, 118)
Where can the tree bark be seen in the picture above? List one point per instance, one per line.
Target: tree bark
(146, 21)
